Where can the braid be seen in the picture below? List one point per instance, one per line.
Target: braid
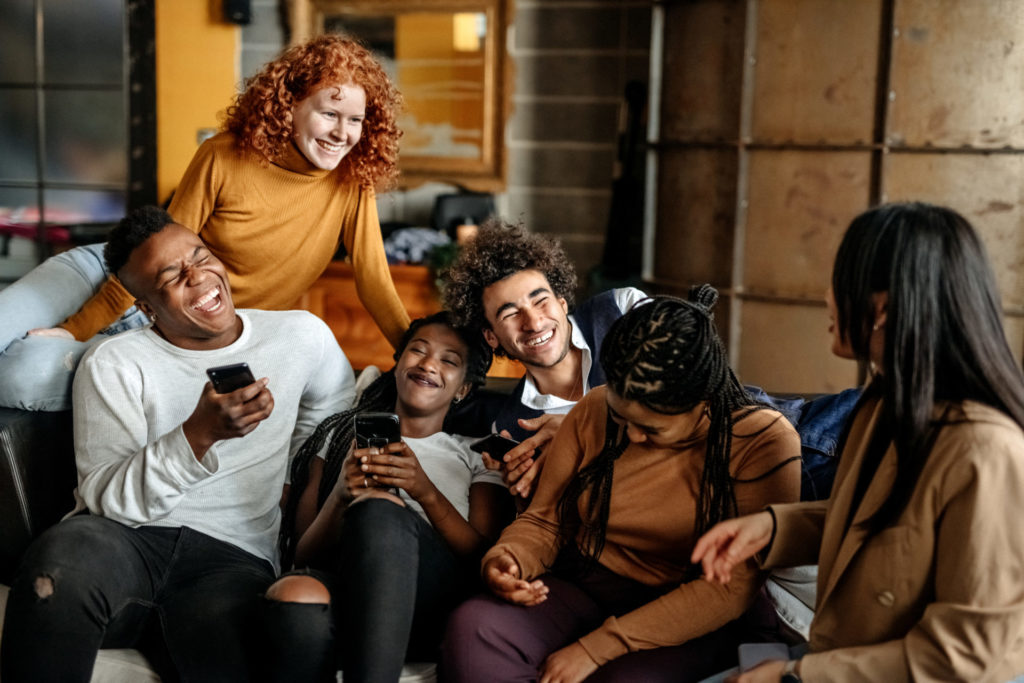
(336, 432)
(596, 476)
(667, 356)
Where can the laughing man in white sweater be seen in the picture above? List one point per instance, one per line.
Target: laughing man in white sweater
(181, 484)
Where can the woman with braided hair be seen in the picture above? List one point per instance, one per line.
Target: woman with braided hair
(393, 535)
(593, 581)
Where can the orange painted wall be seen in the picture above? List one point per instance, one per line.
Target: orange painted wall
(197, 72)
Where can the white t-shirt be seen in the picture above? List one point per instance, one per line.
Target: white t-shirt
(447, 461)
(132, 393)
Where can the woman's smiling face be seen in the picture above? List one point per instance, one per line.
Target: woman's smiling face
(329, 123)
(431, 371)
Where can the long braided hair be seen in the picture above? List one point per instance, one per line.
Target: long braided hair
(337, 432)
(666, 355)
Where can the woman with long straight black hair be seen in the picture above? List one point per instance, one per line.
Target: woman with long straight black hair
(593, 580)
(920, 553)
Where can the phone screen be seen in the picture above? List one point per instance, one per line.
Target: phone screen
(228, 378)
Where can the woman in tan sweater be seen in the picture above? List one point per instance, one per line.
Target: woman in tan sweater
(306, 146)
(919, 549)
(594, 580)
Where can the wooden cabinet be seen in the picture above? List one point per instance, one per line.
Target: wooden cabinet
(334, 300)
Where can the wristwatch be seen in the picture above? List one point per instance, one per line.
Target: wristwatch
(789, 674)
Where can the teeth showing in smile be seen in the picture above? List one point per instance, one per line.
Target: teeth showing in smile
(333, 149)
(203, 303)
(540, 340)
(423, 379)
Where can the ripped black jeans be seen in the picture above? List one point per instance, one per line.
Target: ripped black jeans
(91, 583)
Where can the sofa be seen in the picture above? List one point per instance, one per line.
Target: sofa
(37, 476)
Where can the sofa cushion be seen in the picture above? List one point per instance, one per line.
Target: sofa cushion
(37, 477)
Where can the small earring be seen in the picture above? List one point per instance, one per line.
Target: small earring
(456, 400)
(875, 327)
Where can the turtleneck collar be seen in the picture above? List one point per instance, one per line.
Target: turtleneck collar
(291, 159)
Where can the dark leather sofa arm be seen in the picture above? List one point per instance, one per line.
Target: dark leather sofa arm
(37, 477)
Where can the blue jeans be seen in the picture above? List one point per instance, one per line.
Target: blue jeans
(36, 372)
(396, 581)
(90, 583)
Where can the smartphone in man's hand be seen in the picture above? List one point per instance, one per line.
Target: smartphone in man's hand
(228, 378)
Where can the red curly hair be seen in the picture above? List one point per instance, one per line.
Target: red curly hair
(261, 117)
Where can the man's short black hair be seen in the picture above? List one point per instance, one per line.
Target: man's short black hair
(130, 232)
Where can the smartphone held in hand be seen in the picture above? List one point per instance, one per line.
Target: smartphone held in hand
(376, 430)
(494, 445)
(228, 378)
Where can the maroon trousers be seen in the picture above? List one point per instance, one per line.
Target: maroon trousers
(488, 639)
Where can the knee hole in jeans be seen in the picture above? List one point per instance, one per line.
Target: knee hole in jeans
(43, 586)
(299, 588)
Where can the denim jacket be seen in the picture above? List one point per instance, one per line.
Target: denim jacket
(819, 422)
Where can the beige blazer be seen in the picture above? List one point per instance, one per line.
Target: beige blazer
(939, 595)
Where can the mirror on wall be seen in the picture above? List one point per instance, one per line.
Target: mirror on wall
(448, 58)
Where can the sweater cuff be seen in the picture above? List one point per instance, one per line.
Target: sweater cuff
(189, 470)
(606, 643)
(761, 555)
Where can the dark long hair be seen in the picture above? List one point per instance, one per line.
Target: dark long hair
(336, 432)
(944, 338)
(666, 355)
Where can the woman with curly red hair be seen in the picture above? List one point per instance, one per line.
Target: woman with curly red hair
(294, 173)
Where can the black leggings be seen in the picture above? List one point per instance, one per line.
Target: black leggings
(395, 583)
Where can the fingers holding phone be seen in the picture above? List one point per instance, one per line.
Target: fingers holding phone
(230, 414)
(397, 466)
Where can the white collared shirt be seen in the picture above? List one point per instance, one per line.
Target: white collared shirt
(625, 299)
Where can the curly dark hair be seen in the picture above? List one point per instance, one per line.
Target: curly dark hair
(132, 230)
(336, 432)
(500, 250)
(261, 117)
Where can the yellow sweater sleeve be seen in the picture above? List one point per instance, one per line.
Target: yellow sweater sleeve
(191, 205)
(105, 307)
(365, 246)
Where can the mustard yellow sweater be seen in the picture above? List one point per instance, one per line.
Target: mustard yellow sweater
(275, 228)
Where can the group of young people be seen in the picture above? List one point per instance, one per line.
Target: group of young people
(246, 535)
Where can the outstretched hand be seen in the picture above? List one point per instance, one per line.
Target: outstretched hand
(50, 332)
(503, 576)
(731, 542)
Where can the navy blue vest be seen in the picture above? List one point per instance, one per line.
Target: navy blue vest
(593, 318)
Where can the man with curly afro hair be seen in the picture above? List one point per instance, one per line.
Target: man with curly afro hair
(517, 287)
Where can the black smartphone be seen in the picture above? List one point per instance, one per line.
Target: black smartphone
(494, 445)
(228, 378)
(376, 430)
